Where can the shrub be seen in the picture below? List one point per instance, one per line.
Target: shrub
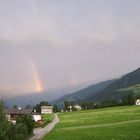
(27, 121)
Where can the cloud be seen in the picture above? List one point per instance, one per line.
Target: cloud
(71, 42)
(66, 24)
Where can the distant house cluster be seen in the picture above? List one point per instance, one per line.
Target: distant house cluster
(13, 113)
(75, 107)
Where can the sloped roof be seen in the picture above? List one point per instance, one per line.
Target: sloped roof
(46, 107)
(17, 111)
(36, 113)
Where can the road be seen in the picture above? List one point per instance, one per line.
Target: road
(39, 133)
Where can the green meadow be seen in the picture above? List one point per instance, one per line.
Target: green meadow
(117, 123)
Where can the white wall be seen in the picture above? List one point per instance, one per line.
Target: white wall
(46, 111)
(37, 117)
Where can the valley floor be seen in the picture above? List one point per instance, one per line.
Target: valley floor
(117, 123)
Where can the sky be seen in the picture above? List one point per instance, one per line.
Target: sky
(51, 44)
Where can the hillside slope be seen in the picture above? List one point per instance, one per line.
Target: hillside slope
(83, 94)
(107, 90)
(113, 91)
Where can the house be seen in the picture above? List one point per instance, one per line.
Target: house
(36, 116)
(13, 113)
(137, 102)
(46, 109)
(70, 108)
(77, 107)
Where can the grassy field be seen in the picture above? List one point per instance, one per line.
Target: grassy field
(118, 123)
(47, 117)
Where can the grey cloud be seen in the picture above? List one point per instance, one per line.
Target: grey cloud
(71, 41)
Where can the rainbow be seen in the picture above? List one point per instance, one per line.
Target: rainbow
(36, 77)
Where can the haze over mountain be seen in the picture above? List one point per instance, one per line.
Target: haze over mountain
(35, 98)
(83, 94)
(107, 90)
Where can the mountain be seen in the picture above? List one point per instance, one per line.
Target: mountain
(111, 89)
(83, 94)
(115, 89)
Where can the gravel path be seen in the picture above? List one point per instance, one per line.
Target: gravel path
(39, 133)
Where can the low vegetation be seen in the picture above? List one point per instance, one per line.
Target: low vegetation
(116, 123)
(46, 118)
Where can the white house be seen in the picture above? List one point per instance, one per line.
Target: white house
(46, 109)
(70, 108)
(36, 116)
(77, 107)
(137, 102)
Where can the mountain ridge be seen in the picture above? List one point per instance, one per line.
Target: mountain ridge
(108, 92)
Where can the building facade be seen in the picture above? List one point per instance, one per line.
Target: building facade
(46, 109)
(13, 113)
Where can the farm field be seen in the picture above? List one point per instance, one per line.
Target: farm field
(117, 123)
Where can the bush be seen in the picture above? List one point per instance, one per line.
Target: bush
(20, 131)
(27, 121)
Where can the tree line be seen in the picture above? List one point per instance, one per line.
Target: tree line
(127, 99)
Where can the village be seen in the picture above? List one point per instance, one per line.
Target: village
(13, 113)
(42, 124)
(42, 118)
